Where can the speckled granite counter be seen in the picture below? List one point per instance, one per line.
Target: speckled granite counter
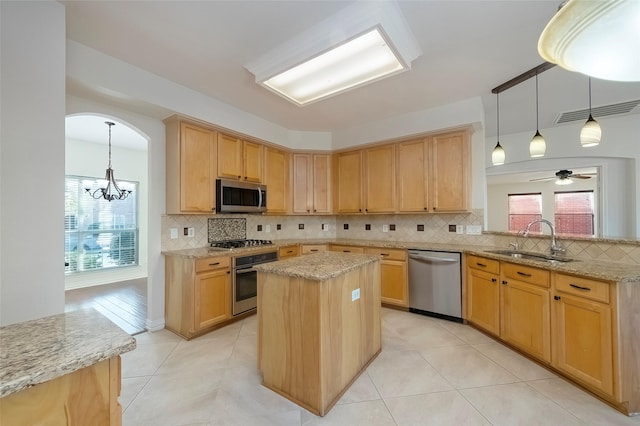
(612, 271)
(318, 266)
(37, 351)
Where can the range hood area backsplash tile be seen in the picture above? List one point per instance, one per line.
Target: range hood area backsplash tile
(436, 230)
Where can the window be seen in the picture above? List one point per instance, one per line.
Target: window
(98, 234)
(524, 208)
(574, 213)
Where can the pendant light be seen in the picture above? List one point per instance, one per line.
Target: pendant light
(107, 187)
(498, 155)
(538, 146)
(591, 133)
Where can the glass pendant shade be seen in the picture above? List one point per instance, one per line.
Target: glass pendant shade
(538, 146)
(591, 133)
(597, 38)
(498, 156)
(565, 181)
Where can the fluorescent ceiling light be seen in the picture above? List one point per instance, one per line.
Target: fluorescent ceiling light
(597, 38)
(373, 42)
(362, 60)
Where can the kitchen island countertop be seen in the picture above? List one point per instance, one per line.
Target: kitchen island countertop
(36, 351)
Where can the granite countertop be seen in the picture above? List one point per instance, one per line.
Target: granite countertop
(33, 352)
(611, 271)
(318, 266)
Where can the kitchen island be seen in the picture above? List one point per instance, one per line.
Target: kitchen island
(318, 325)
(62, 369)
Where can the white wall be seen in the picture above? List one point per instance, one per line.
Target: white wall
(90, 159)
(618, 155)
(32, 161)
(154, 131)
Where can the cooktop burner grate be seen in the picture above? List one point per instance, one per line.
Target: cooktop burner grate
(240, 243)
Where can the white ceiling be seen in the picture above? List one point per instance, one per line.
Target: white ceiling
(469, 47)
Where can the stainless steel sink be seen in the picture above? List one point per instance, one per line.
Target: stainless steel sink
(540, 257)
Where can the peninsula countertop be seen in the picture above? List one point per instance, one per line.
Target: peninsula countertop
(319, 266)
(33, 352)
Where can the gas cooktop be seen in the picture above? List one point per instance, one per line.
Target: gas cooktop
(231, 244)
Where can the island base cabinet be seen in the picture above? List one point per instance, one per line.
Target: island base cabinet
(88, 396)
(583, 341)
(313, 339)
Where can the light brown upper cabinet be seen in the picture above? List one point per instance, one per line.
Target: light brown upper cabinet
(239, 159)
(347, 183)
(433, 173)
(413, 176)
(450, 172)
(190, 168)
(311, 182)
(380, 179)
(276, 177)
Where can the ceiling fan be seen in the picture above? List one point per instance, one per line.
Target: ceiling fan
(564, 177)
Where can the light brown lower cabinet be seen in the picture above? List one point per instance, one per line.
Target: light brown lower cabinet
(88, 396)
(313, 248)
(583, 332)
(394, 284)
(580, 327)
(525, 309)
(288, 251)
(483, 293)
(197, 294)
(346, 249)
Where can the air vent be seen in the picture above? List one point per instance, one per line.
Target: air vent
(601, 111)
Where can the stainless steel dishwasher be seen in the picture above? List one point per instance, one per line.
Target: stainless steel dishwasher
(435, 285)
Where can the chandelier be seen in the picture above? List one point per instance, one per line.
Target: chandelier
(107, 187)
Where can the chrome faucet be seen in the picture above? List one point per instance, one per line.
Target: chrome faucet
(555, 248)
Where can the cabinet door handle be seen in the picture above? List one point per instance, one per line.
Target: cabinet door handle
(289, 251)
(524, 274)
(312, 250)
(504, 282)
(214, 264)
(556, 297)
(580, 287)
(494, 280)
(239, 177)
(482, 265)
(384, 254)
(346, 251)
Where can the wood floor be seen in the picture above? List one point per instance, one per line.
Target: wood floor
(124, 303)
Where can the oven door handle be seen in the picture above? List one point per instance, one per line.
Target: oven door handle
(245, 271)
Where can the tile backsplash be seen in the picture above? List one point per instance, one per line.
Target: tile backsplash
(440, 228)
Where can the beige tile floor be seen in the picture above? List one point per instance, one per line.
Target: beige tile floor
(430, 372)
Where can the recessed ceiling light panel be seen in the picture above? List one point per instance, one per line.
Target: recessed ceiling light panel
(375, 42)
(357, 62)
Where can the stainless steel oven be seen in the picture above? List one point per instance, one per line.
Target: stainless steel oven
(245, 280)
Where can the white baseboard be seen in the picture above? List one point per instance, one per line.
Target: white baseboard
(156, 325)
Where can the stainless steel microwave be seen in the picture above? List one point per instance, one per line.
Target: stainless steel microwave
(240, 197)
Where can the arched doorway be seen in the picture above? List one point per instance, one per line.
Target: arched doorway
(106, 242)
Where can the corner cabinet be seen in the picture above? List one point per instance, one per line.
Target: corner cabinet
(197, 294)
(190, 168)
(311, 182)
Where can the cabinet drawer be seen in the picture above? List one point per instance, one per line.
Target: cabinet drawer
(288, 251)
(313, 248)
(388, 254)
(483, 264)
(527, 274)
(346, 249)
(210, 263)
(583, 287)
